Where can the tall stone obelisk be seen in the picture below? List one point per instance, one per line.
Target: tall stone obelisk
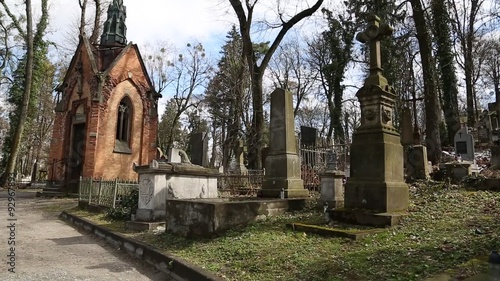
(375, 193)
(282, 163)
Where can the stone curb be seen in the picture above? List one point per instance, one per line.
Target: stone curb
(177, 268)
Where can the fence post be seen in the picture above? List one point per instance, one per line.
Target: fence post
(90, 190)
(80, 189)
(115, 189)
(99, 192)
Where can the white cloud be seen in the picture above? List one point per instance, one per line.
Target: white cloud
(178, 22)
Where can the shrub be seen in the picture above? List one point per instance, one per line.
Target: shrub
(126, 207)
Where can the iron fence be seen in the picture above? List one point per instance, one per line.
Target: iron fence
(247, 183)
(105, 193)
(315, 160)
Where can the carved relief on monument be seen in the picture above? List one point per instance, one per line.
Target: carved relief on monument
(146, 189)
(386, 115)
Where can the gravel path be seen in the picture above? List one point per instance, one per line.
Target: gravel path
(49, 249)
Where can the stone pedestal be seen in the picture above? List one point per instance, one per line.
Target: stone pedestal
(159, 182)
(417, 166)
(377, 181)
(332, 189)
(282, 163)
(495, 156)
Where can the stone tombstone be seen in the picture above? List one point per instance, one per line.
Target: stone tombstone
(308, 136)
(331, 160)
(464, 144)
(332, 189)
(308, 140)
(376, 192)
(240, 159)
(483, 134)
(417, 166)
(282, 162)
(406, 127)
(198, 144)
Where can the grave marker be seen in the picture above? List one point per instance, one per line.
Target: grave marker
(464, 144)
(282, 163)
(376, 193)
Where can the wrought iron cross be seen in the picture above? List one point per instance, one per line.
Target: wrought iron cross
(373, 33)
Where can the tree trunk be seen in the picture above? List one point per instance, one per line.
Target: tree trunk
(447, 69)
(97, 22)
(337, 114)
(83, 11)
(14, 151)
(432, 116)
(257, 129)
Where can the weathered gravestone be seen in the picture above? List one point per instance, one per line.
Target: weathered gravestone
(198, 147)
(332, 185)
(308, 142)
(406, 127)
(464, 144)
(308, 136)
(376, 193)
(282, 162)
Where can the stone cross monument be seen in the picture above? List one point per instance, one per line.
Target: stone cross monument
(376, 185)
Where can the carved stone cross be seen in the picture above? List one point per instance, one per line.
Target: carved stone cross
(373, 34)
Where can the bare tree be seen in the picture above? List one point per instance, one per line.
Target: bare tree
(245, 13)
(190, 74)
(158, 60)
(289, 70)
(469, 24)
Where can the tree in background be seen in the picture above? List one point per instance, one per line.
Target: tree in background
(97, 22)
(431, 101)
(245, 11)
(491, 67)
(469, 24)
(289, 70)
(36, 51)
(225, 97)
(190, 73)
(447, 72)
(330, 55)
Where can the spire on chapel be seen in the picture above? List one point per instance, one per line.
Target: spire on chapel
(115, 30)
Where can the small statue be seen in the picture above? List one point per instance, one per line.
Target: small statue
(184, 157)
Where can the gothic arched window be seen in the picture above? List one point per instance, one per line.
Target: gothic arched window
(123, 126)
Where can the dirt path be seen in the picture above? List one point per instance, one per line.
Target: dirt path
(49, 249)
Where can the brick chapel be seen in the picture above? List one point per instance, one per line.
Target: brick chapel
(106, 114)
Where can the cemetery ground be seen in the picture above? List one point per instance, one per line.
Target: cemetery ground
(450, 229)
(48, 249)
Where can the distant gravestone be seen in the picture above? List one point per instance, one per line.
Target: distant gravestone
(308, 136)
(464, 144)
(406, 127)
(198, 144)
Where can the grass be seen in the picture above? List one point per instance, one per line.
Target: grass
(447, 228)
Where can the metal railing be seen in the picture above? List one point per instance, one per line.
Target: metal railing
(104, 193)
(247, 183)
